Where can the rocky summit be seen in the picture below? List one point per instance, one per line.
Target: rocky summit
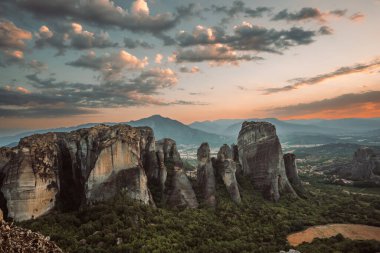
(261, 158)
(226, 169)
(177, 189)
(292, 173)
(206, 175)
(366, 165)
(65, 171)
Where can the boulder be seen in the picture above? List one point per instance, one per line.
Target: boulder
(206, 175)
(226, 169)
(178, 191)
(261, 157)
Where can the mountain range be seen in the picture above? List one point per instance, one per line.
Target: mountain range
(221, 131)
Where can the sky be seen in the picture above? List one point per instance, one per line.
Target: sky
(69, 62)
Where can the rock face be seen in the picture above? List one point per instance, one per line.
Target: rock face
(66, 170)
(261, 157)
(206, 175)
(15, 239)
(292, 173)
(226, 168)
(178, 191)
(366, 165)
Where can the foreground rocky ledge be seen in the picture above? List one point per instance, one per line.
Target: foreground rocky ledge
(15, 239)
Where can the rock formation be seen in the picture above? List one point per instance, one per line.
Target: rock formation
(261, 157)
(14, 239)
(178, 191)
(206, 175)
(366, 165)
(292, 173)
(67, 170)
(226, 168)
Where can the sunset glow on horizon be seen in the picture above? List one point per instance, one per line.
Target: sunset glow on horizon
(65, 63)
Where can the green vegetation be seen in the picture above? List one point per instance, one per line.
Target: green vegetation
(339, 244)
(255, 225)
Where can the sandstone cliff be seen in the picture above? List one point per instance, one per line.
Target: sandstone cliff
(366, 165)
(178, 191)
(66, 170)
(206, 175)
(292, 173)
(226, 169)
(261, 157)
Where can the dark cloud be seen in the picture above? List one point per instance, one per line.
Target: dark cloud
(307, 13)
(43, 112)
(248, 37)
(217, 54)
(336, 103)
(12, 43)
(326, 30)
(71, 36)
(12, 37)
(52, 98)
(299, 82)
(111, 66)
(239, 7)
(17, 57)
(191, 70)
(106, 13)
(132, 44)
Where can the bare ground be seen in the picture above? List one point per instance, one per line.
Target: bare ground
(351, 231)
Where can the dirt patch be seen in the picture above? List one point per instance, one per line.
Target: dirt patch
(351, 231)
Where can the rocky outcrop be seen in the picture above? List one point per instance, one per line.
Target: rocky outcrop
(206, 175)
(366, 165)
(178, 191)
(292, 173)
(15, 239)
(67, 170)
(226, 169)
(261, 157)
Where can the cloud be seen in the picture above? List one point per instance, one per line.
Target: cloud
(217, 54)
(112, 65)
(140, 7)
(158, 58)
(36, 66)
(307, 13)
(191, 70)
(300, 82)
(248, 37)
(13, 37)
(326, 30)
(71, 36)
(104, 13)
(239, 7)
(356, 17)
(12, 43)
(353, 101)
(52, 98)
(132, 44)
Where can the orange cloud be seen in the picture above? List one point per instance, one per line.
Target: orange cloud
(366, 110)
